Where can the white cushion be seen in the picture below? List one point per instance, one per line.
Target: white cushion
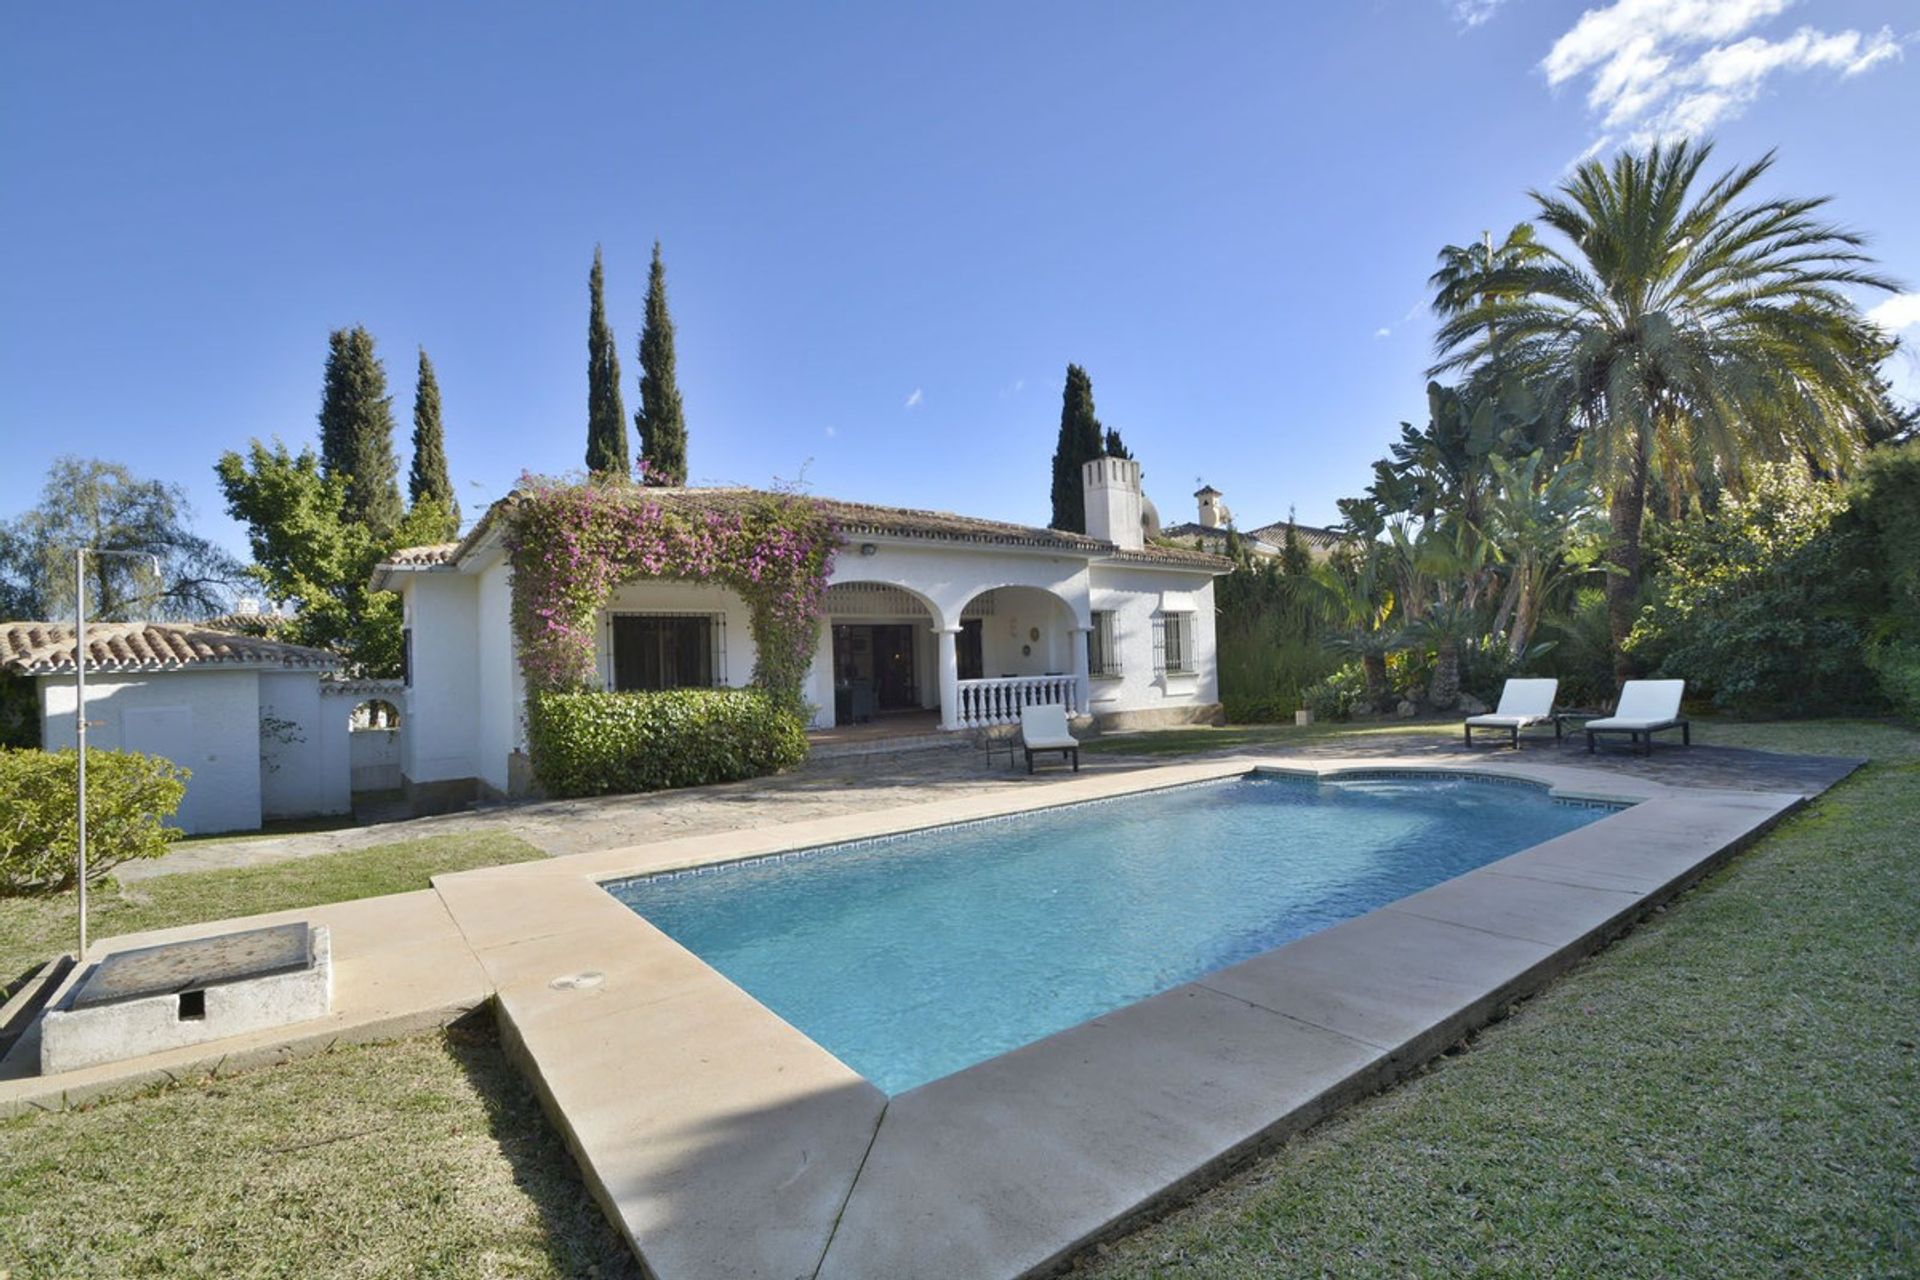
(1644, 702)
(1631, 724)
(1497, 721)
(1045, 728)
(1531, 699)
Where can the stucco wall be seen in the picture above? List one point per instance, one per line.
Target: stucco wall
(441, 726)
(303, 767)
(499, 693)
(207, 722)
(1134, 595)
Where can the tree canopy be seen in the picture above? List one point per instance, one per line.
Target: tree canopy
(1081, 440)
(87, 502)
(428, 484)
(356, 430)
(661, 419)
(607, 455)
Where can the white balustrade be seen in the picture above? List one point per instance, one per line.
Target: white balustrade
(998, 701)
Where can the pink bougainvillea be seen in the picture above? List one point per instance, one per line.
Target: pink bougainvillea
(572, 544)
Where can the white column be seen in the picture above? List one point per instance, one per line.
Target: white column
(1082, 680)
(949, 677)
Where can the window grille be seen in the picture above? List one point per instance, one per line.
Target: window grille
(1103, 655)
(1173, 643)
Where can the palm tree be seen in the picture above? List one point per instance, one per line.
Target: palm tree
(1359, 600)
(1686, 330)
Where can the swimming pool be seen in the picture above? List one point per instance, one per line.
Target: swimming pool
(913, 956)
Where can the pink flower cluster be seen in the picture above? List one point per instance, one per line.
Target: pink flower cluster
(573, 544)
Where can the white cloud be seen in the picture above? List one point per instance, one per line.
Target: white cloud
(913, 401)
(1383, 332)
(1901, 311)
(1471, 13)
(1662, 69)
(832, 432)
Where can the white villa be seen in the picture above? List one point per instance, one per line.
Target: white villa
(929, 616)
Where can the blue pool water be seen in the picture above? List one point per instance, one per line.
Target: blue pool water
(911, 957)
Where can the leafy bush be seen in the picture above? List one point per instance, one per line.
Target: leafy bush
(1886, 515)
(589, 743)
(129, 797)
(1335, 696)
(1268, 638)
(1758, 605)
(1582, 654)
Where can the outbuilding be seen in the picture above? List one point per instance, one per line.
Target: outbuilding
(261, 729)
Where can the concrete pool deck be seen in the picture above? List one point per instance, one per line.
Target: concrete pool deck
(720, 1140)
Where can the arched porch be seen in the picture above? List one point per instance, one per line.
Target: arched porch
(1014, 647)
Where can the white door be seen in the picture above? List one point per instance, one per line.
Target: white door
(163, 731)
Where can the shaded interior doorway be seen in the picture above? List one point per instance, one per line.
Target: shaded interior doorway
(873, 670)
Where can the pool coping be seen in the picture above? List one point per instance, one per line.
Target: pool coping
(721, 1140)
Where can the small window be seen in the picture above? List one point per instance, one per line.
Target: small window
(668, 651)
(1174, 648)
(406, 657)
(1103, 657)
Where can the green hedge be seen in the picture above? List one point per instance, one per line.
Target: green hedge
(129, 797)
(587, 743)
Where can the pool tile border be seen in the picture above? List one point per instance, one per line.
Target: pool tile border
(750, 1150)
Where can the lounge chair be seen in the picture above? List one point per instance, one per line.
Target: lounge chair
(1522, 703)
(1645, 708)
(1044, 728)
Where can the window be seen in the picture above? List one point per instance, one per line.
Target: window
(668, 650)
(1173, 643)
(406, 657)
(1103, 658)
(970, 650)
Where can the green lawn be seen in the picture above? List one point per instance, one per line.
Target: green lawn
(1732, 1090)
(34, 930)
(1728, 1092)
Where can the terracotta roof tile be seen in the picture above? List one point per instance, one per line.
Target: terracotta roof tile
(47, 648)
(853, 519)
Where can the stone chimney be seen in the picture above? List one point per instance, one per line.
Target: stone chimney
(1213, 512)
(1114, 505)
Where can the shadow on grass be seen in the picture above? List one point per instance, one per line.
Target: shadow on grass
(580, 1240)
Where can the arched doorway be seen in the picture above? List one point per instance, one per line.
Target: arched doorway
(1017, 646)
(884, 654)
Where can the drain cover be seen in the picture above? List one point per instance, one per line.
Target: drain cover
(578, 981)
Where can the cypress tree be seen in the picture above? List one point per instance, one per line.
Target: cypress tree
(1113, 447)
(356, 431)
(1080, 442)
(606, 417)
(427, 480)
(660, 418)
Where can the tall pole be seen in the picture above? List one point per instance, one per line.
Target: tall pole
(80, 727)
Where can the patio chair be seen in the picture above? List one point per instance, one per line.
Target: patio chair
(1044, 728)
(1645, 708)
(1522, 703)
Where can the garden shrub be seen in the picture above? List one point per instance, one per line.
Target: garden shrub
(587, 742)
(1759, 603)
(129, 797)
(1335, 696)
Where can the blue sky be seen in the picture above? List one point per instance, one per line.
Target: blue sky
(888, 228)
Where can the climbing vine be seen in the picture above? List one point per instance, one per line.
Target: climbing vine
(573, 544)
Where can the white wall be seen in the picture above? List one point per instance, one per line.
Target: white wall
(1004, 633)
(1134, 595)
(208, 722)
(441, 720)
(501, 698)
(303, 769)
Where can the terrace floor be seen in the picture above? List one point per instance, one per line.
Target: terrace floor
(841, 783)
